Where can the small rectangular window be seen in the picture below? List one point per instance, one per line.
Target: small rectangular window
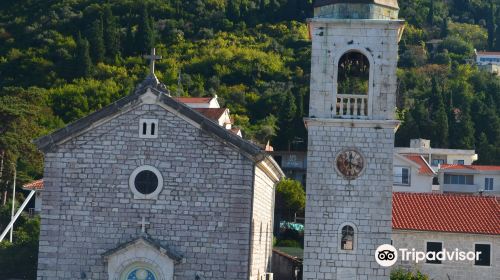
(484, 251)
(469, 180)
(401, 175)
(434, 247)
(488, 184)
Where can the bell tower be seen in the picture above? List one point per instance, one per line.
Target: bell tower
(351, 127)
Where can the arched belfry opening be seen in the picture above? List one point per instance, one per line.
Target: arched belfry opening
(353, 85)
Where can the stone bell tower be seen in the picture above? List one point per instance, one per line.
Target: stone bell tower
(351, 127)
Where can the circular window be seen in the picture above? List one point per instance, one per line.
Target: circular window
(146, 182)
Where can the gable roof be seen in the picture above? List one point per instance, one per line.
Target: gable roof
(446, 213)
(146, 240)
(212, 113)
(470, 167)
(194, 99)
(34, 186)
(424, 166)
(247, 148)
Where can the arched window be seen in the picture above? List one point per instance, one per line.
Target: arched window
(139, 272)
(347, 238)
(353, 83)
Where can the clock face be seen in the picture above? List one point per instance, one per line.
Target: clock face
(350, 163)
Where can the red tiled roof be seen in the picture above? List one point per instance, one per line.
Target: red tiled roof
(211, 113)
(446, 213)
(424, 167)
(470, 167)
(35, 185)
(489, 53)
(194, 99)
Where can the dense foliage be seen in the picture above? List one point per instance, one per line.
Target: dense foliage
(63, 59)
(402, 274)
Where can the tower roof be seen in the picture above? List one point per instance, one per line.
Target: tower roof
(387, 3)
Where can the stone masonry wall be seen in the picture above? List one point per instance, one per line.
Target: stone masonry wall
(456, 270)
(203, 211)
(377, 40)
(333, 200)
(262, 232)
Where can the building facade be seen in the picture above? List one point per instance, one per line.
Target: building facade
(148, 188)
(351, 129)
(437, 222)
(457, 178)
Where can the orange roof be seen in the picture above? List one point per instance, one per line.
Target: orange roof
(35, 185)
(470, 167)
(211, 113)
(424, 167)
(194, 99)
(446, 213)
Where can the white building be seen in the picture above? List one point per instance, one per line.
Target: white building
(210, 108)
(437, 156)
(489, 61)
(199, 102)
(437, 222)
(470, 178)
(412, 174)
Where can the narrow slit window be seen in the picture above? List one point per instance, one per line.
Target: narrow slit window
(148, 128)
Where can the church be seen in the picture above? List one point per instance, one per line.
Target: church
(148, 188)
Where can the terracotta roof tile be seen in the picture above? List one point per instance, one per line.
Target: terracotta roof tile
(470, 167)
(488, 53)
(35, 185)
(424, 167)
(194, 99)
(446, 213)
(211, 113)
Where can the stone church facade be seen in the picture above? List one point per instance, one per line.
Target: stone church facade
(351, 127)
(149, 188)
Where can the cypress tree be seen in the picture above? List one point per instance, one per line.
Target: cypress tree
(430, 15)
(491, 26)
(496, 47)
(441, 126)
(444, 28)
(145, 36)
(111, 33)
(83, 63)
(129, 42)
(96, 40)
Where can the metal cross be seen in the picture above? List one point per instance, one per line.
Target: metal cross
(152, 57)
(143, 224)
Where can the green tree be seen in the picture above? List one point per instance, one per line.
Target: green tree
(441, 132)
(462, 129)
(491, 25)
(430, 15)
(145, 36)
(401, 274)
(290, 199)
(96, 40)
(19, 259)
(497, 32)
(83, 62)
(111, 33)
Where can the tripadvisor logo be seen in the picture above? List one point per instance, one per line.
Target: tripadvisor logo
(387, 255)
